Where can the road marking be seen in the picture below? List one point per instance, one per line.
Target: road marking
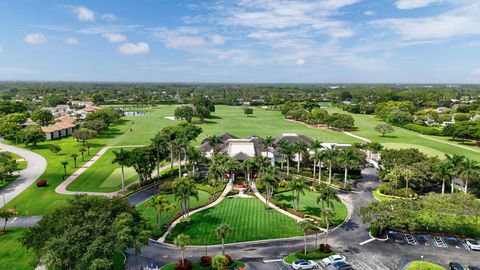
(367, 241)
(275, 260)
(13, 220)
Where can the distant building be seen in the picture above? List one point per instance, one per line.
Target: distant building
(80, 103)
(63, 127)
(442, 110)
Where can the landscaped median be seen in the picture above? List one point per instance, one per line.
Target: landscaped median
(313, 255)
(197, 266)
(414, 265)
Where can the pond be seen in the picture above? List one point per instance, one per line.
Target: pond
(135, 113)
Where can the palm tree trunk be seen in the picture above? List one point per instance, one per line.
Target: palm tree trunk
(158, 164)
(183, 257)
(326, 234)
(443, 187)
(345, 178)
(298, 200)
(298, 162)
(223, 246)
(288, 167)
(171, 159)
(123, 180)
(305, 243)
(314, 168)
(466, 185)
(158, 219)
(179, 166)
(330, 172)
(452, 185)
(281, 166)
(319, 171)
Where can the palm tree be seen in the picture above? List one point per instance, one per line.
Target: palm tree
(194, 156)
(222, 232)
(470, 170)
(269, 141)
(327, 197)
(288, 152)
(315, 145)
(160, 204)
(298, 186)
(184, 188)
(330, 155)
(305, 227)
(74, 156)
(443, 172)
(320, 156)
(269, 181)
(348, 158)
(247, 166)
(214, 141)
(327, 215)
(159, 146)
(213, 182)
(456, 162)
(64, 164)
(231, 167)
(122, 158)
(182, 241)
(299, 147)
(82, 151)
(281, 145)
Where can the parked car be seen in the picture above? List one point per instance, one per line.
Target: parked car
(331, 259)
(340, 265)
(472, 244)
(303, 264)
(473, 268)
(455, 266)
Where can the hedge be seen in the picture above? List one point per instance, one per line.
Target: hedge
(424, 130)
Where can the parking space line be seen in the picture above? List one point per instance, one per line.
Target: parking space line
(367, 241)
(274, 260)
(464, 244)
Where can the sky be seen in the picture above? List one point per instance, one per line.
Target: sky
(241, 41)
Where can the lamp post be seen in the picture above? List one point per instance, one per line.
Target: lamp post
(421, 262)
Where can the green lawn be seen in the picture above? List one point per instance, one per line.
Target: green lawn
(424, 266)
(150, 215)
(21, 165)
(13, 255)
(309, 206)
(103, 176)
(401, 138)
(315, 255)
(248, 219)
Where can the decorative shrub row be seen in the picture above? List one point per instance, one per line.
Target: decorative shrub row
(424, 129)
(391, 190)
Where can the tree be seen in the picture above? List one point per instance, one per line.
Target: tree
(64, 164)
(160, 204)
(219, 262)
(6, 214)
(182, 241)
(305, 227)
(269, 181)
(443, 172)
(287, 151)
(469, 171)
(184, 112)
(320, 156)
(326, 197)
(122, 158)
(300, 148)
(268, 142)
(32, 135)
(348, 158)
(142, 159)
(456, 162)
(384, 129)
(108, 226)
(74, 156)
(184, 188)
(96, 125)
(330, 156)
(298, 186)
(315, 145)
(82, 151)
(327, 215)
(82, 135)
(222, 232)
(43, 117)
(248, 111)
(214, 141)
(159, 145)
(54, 148)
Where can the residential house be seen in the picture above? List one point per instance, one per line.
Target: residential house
(63, 127)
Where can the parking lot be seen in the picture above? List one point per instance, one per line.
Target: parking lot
(428, 240)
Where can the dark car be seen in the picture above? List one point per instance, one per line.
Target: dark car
(473, 268)
(455, 266)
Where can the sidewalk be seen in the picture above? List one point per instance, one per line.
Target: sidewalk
(273, 206)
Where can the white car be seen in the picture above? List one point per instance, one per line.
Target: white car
(473, 244)
(303, 264)
(331, 259)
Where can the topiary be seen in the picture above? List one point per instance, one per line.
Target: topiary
(229, 258)
(205, 261)
(186, 265)
(325, 248)
(41, 183)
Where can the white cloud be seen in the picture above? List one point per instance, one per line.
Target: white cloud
(475, 72)
(109, 17)
(300, 62)
(369, 13)
(71, 41)
(114, 37)
(134, 48)
(411, 4)
(185, 42)
(35, 38)
(1, 49)
(217, 40)
(83, 14)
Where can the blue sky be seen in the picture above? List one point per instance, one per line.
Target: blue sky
(278, 41)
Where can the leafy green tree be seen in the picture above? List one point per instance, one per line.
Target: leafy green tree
(64, 164)
(54, 148)
(219, 262)
(159, 145)
(327, 216)
(185, 188)
(248, 111)
(142, 159)
(330, 157)
(74, 156)
(83, 135)
(315, 145)
(123, 158)
(305, 226)
(182, 241)
(326, 197)
(456, 163)
(32, 135)
(268, 142)
(184, 112)
(348, 158)
(470, 170)
(10, 130)
(96, 125)
(108, 226)
(222, 232)
(43, 117)
(160, 204)
(443, 172)
(269, 181)
(384, 129)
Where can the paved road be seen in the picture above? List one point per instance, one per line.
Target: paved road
(346, 239)
(29, 221)
(36, 165)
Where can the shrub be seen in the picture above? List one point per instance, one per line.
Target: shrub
(325, 248)
(424, 130)
(41, 183)
(205, 261)
(389, 189)
(187, 265)
(229, 258)
(374, 231)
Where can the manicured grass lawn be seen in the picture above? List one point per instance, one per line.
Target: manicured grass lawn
(12, 254)
(38, 201)
(248, 219)
(431, 144)
(21, 165)
(8, 181)
(424, 266)
(309, 206)
(197, 266)
(103, 176)
(311, 255)
(150, 215)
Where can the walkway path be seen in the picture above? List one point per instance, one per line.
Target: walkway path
(227, 189)
(62, 188)
(355, 136)
(36, 165)
(273, 206)
(449, 143)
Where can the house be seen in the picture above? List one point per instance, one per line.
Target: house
(442, 110)
(82, 113)
(63, 127)
(59, 110)
(80, 103)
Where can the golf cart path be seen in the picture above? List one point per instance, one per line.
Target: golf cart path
(227, 189)
(36, 165)
(62, 188)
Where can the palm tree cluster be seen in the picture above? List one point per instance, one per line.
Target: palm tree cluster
(456, 167)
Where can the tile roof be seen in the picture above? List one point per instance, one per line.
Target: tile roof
(61, 123)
